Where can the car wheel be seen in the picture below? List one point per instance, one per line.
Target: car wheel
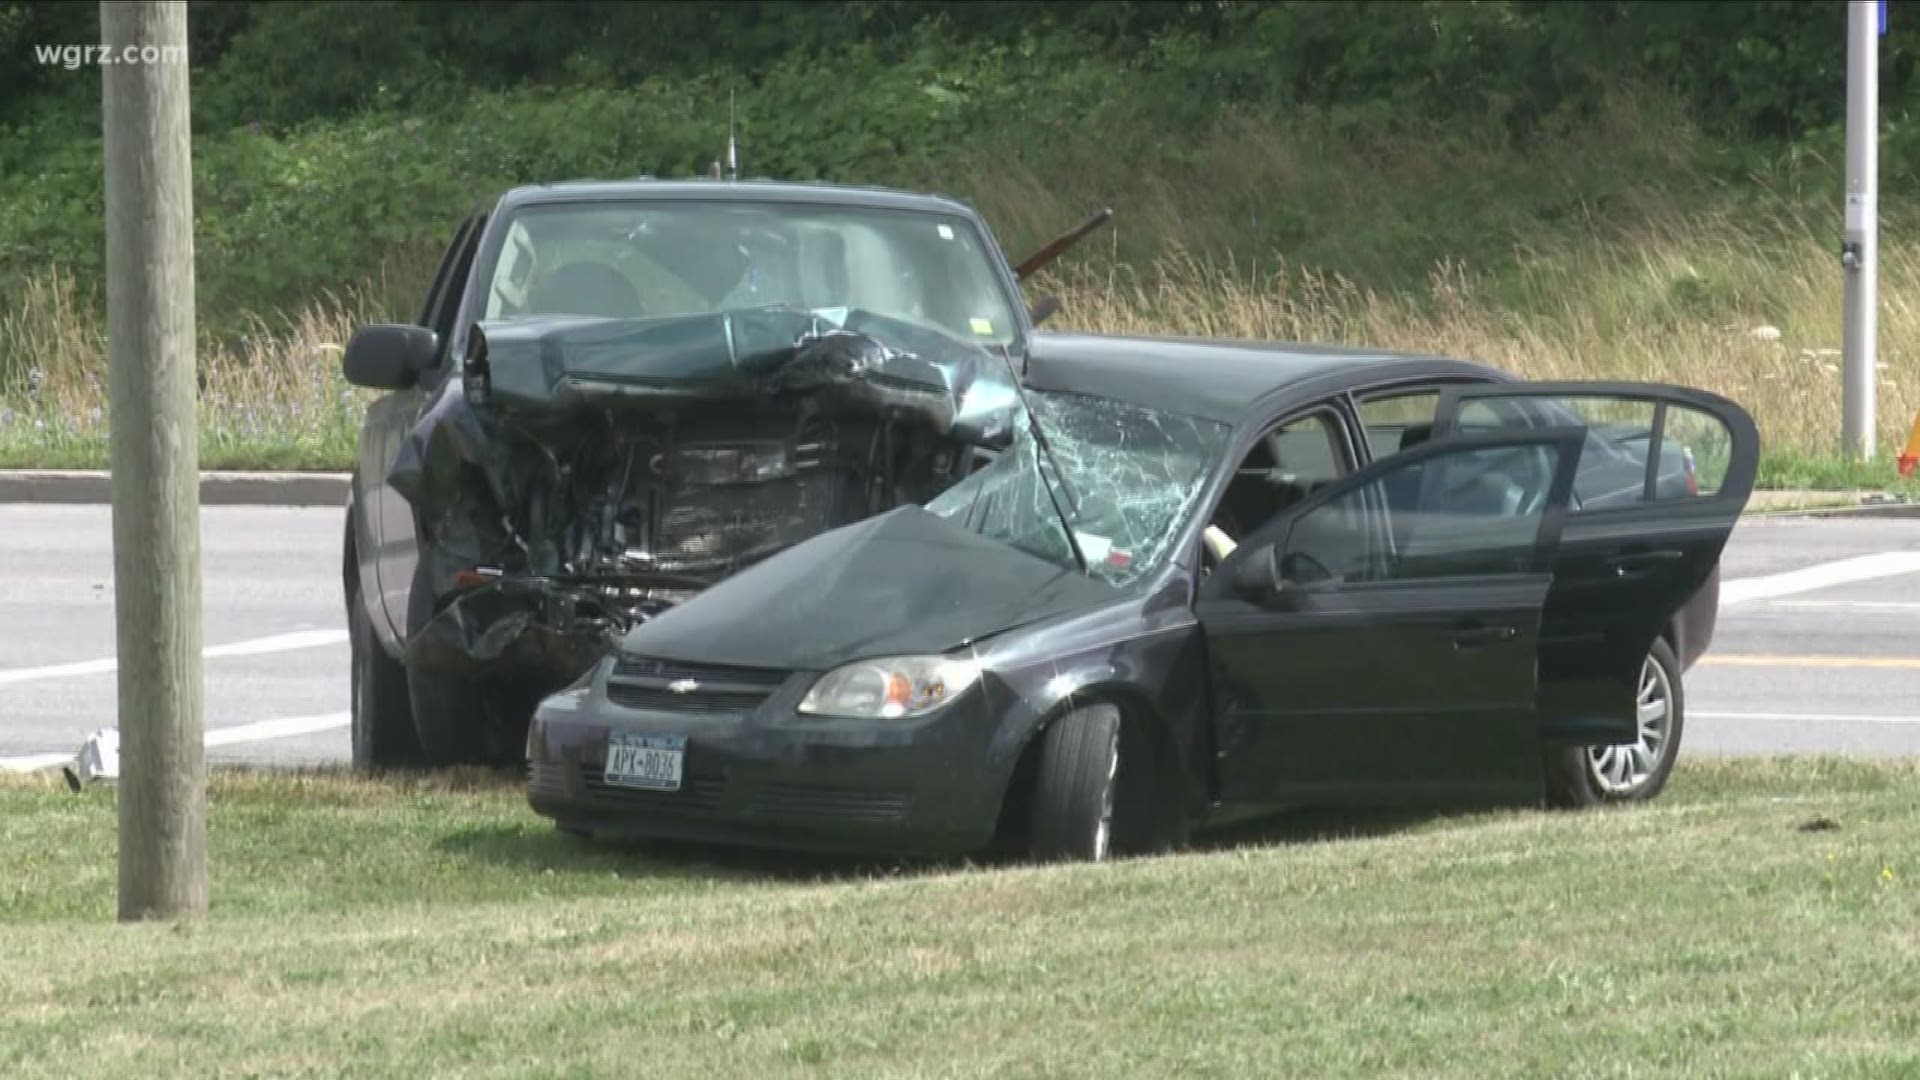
(382, 730)
(1635, 771)
(1077, 786)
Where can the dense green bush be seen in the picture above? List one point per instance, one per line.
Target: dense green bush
(282, 213)
(340, 142)
(1768, 68)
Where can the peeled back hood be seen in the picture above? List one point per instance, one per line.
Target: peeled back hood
(904, 582)
(860, 360)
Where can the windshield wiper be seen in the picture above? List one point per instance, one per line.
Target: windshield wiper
(1046, 448)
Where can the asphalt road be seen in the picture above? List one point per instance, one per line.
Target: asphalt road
(1818, 648)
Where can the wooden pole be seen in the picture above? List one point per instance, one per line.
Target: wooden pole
(156, 459)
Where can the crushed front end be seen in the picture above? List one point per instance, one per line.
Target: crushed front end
(585, 474)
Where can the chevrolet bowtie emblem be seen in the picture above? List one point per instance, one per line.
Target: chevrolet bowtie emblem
(683, 686)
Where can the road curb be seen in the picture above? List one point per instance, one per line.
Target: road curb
(1870, 510)
(91, 486)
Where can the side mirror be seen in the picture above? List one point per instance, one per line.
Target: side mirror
(1257, 573)
(389, 356)
(1043, 309)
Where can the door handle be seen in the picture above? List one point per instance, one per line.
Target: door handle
(1479, 637)
(1641, 561)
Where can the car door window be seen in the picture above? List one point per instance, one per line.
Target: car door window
(1696, 453)
(1618, 465)
(448, 308)
(1397, 421)
(1476, 510)
(449, 279)
(1296, 458)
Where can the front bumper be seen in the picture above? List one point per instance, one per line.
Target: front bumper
(770, 777)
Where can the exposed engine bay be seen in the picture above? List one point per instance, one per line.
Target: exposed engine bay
(584, 474)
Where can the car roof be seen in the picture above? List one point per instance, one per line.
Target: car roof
(1217, 379)
(761, 191)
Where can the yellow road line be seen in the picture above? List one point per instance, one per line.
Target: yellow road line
(1813, 661)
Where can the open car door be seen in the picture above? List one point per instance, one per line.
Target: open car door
(1664, 474)
(1377, 643)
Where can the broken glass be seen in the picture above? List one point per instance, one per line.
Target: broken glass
(1134, 475)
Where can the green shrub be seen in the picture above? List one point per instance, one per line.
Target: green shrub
(339, 143)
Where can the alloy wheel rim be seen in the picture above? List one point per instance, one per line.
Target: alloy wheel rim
(1625, 769)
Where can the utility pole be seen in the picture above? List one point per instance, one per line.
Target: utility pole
(156, 459)
(1860, 250)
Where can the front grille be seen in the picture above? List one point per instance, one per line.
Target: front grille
(650, 669)
(704, 793)
(649, 697)
(698, 792)
(798, 800)
(546, 778)
(640, 682)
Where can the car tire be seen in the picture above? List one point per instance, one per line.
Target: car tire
(1077, 786)
(383, 734)
(1582, 776)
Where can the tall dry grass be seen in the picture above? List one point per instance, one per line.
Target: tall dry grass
(1710, 302)
(271, 395)
(1748, 309)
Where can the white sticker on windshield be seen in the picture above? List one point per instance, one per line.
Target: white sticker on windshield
(946, 232)
(1095, 548)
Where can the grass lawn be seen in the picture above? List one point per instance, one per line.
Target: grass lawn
(1760, 920)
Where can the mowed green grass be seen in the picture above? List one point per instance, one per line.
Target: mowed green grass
(1762, 919)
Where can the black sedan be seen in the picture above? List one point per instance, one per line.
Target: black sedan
(1205, 581)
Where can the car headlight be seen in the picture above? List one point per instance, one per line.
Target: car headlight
(890, 688)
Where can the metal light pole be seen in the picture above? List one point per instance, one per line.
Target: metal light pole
(1860, 251)
(156, 459)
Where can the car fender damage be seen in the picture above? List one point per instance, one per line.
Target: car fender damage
(582, 475)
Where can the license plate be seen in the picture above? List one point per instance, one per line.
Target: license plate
(652, 762)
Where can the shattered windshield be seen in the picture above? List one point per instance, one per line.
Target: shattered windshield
(1132, 475)
(654, 259)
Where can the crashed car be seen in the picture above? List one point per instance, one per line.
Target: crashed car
(1204, 582)
(618, 394)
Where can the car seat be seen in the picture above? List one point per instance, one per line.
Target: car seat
(1403, 487)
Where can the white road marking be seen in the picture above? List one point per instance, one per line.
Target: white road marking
(1820, 576)
(1779, 661)
(287, 727)
(1891, 607)
(299, 639)
(1814, 718)
(35, 762)
(258, 731)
